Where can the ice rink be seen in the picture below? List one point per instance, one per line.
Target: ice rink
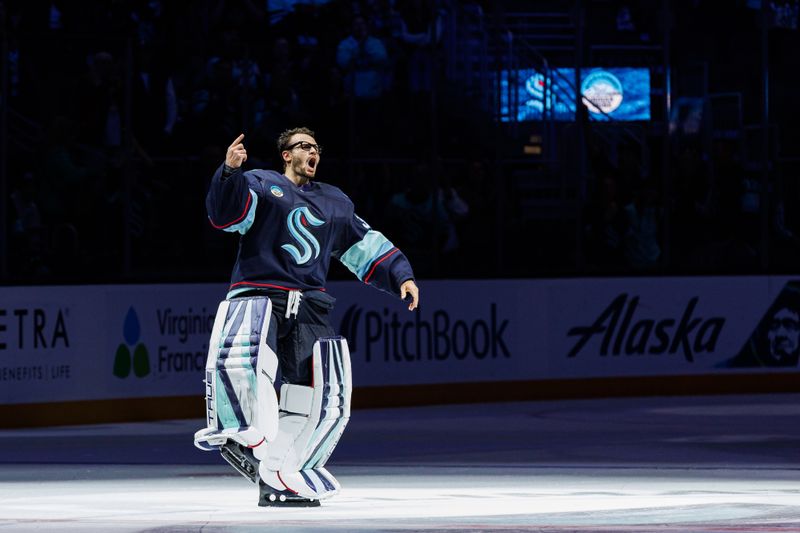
(688, 464)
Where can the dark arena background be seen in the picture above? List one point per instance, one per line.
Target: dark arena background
(600, 200)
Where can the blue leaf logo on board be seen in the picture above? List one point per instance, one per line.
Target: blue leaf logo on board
(131, 328)
(139, 362)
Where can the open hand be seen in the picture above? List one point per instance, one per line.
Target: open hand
(236, 154)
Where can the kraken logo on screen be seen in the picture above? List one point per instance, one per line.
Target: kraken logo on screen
(298, 221)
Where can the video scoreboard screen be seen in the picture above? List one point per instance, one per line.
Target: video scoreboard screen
(609, 94)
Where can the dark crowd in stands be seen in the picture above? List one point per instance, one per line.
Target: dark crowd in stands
(91, 200)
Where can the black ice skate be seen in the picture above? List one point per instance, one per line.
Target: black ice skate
(241, 458)
(269, 497)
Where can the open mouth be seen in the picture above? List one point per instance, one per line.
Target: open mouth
(311, 163)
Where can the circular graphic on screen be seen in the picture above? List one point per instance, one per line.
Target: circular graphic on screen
(602, 92)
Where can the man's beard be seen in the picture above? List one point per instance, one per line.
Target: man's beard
(300, 170)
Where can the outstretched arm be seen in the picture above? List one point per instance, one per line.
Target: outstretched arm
(376, 261)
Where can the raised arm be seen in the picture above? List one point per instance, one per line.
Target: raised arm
(230, 203)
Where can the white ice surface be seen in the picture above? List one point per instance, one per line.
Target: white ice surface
(658, 464)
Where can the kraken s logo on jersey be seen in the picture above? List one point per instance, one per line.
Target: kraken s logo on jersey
(298, 220)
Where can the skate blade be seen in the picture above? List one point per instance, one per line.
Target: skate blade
(239, 461)
(289, 503)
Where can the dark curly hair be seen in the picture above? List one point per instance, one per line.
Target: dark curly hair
(283, 138)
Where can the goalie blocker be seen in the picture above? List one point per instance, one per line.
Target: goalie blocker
(281, 445)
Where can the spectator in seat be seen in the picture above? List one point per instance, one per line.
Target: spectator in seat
(363, 60)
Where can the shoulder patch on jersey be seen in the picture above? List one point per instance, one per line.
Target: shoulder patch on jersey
(276, 191)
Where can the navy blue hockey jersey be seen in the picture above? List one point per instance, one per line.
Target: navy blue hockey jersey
(289, 233)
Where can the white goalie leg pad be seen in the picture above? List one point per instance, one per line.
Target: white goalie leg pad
(241, 403)
(312, 420)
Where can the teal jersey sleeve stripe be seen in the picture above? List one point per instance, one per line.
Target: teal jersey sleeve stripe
(362, 254)
(245, 224)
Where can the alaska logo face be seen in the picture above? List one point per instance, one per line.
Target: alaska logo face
(775, 342)
(308, 246)
(140, 363)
